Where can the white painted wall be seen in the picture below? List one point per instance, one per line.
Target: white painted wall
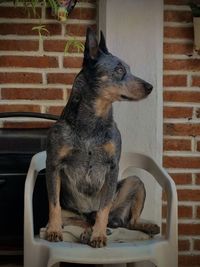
(134, 32)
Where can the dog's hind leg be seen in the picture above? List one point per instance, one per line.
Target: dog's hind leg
(128, 206)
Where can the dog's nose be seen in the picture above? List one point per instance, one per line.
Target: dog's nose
(148, 88)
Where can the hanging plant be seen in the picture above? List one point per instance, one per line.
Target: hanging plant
(60, 9)
(196, 21)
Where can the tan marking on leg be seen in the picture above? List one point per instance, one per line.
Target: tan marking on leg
(64, 151)
(98, 237)
(109, 148)
(54, 229)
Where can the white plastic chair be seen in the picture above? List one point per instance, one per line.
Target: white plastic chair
(162, 251)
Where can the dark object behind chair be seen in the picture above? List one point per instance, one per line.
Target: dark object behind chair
(16, 150)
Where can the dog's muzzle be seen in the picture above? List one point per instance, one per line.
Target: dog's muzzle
(148, 88)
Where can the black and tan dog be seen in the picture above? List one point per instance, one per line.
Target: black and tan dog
(84, 146)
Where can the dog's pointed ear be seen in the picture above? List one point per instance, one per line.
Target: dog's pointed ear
(91, 45)
(102, 44)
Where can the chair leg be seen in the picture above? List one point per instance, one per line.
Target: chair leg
(35, 257)
(166, 260)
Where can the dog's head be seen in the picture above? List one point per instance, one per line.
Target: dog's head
(110, 76)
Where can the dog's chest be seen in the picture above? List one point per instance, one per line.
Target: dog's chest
(85, 170)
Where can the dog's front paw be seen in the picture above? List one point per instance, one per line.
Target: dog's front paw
(98, 240)
(54, 235)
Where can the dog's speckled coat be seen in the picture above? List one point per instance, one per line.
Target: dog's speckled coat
(84, 147)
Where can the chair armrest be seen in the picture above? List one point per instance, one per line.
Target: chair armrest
(38, 163)
(148, 164)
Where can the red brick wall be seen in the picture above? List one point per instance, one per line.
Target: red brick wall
(35, 75)
(182, 125)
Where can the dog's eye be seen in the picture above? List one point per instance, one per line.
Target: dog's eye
(119, 72)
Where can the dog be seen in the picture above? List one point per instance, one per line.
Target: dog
(84, 147)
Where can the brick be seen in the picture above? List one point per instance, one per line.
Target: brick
(198, 179)
(178, 49)
(174, 80)
(29, 61)
(189, 260)
(196, 244)
(27, 124)
(163, 229)
(17, 29)
(188, 194)
(177, 112)
(198, 212)
(53, 28)
(180, 96)
(56, 110)
(19, 12)
(164, 211)
(78, 29)
(195, 80)
(177, 16)
(185, 212)
(26, 29)
(181, 178)
(32, 94)
(20, 77)
(188, 229)
(58, 46)
(61, 78)
(198, 145)
(83, 14)
(183, 245)
(177, 145)
(19, 45)
(181, 162)
(54, 45)
(181, 129)
(72, 62)
(77, 13)
(179, 32)
(19, 108)
(182, 64)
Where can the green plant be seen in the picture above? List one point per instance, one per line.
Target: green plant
(58, 10)
(41, 29)
(195, 9)
(75, 44)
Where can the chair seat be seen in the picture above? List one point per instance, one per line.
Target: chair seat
(112, 253)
